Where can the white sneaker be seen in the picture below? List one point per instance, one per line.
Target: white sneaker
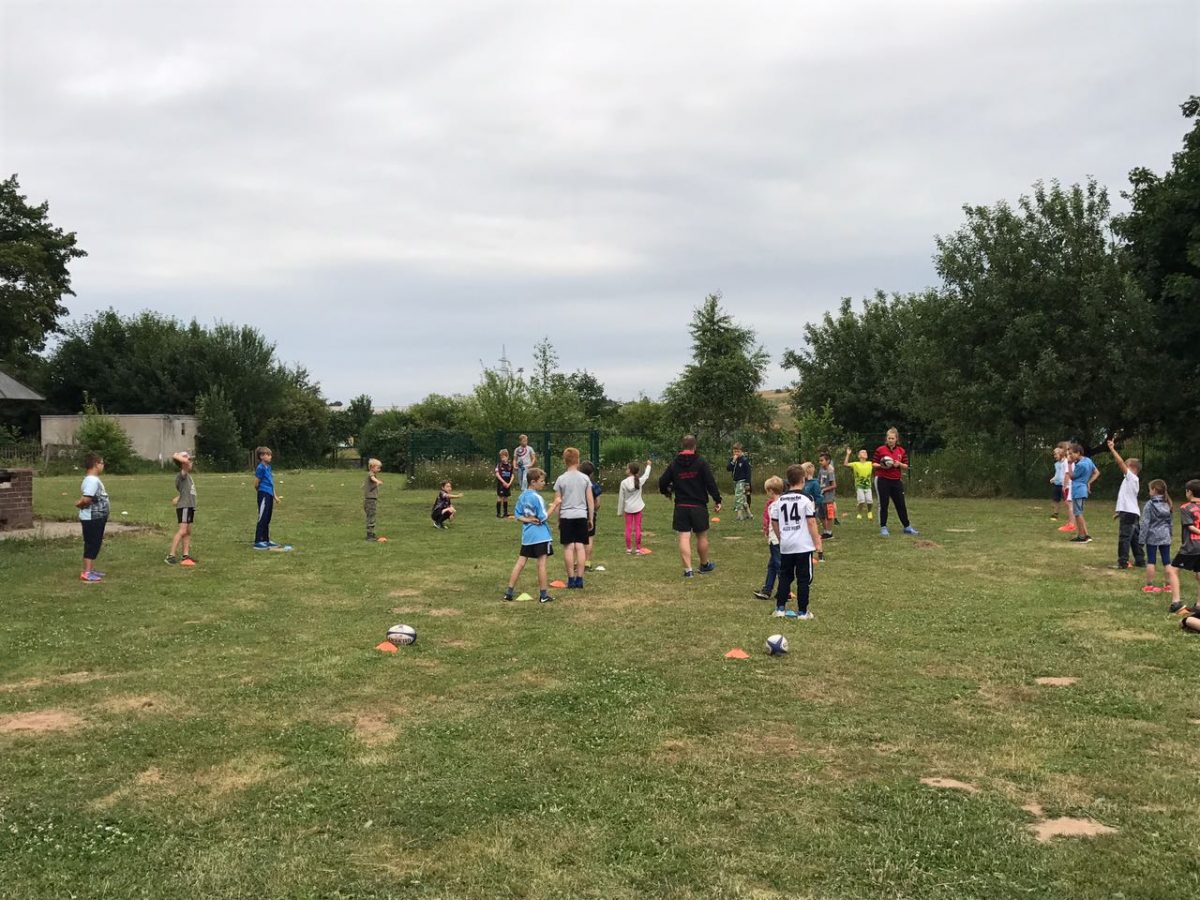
(779, 614)
(805, 616)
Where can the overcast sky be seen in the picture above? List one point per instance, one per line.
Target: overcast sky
(395, 191)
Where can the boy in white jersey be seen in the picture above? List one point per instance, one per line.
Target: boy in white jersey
(793, 520)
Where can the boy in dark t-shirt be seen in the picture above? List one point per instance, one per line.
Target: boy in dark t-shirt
(504, 481)
(443, 509)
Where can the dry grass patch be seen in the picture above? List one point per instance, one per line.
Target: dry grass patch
(952, 784)
(445, 611)
(40, 721)
(458, 644)
(30, 684)
(237, 774)
(1068, 826)
(1056, 680)
(139, 703)
(404, 592)
(922, 544)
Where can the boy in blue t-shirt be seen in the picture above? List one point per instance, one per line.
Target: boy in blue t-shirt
(536, 541)
(1083, 475)
(264, 484)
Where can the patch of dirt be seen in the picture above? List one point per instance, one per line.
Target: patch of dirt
(733, 537)
(1066, 826)
(41, 721)
(1035, 809)
(446, 611)
(922, 544)
(1194, 721)
(404, 592)
(237, 774)
(1056, 681)
(46, 531)
(135, 703)
(951, 784)
(69, 678)
(375, 729)
(404, 610)
(458, 644)
(961, 530)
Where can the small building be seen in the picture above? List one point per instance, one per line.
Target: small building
(154, 437)
(11, 389)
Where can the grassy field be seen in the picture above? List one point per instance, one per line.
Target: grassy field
(229, 731)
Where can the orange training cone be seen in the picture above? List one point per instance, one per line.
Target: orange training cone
(737, 653)
(386, 647)
(558, 584)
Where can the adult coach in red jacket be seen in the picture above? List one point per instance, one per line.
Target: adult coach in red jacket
(891, 462)
(690, 481)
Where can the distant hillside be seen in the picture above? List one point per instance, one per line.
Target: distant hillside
(781, 410)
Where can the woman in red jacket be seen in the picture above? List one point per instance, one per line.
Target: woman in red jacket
(891, 462)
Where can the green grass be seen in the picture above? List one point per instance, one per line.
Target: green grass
(237, 736)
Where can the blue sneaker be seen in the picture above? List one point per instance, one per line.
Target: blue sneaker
(707, 567)
(883, 532)
(911, 530)
(261, 545)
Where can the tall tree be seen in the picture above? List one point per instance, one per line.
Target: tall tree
(1162, 234)
(358, 414)
(34, 275)
(717, 392)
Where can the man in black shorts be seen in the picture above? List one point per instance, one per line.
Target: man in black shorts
(691, 481)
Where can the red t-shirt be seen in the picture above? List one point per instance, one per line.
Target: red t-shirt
(896, 453)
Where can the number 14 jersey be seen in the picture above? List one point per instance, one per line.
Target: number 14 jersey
(792, 511)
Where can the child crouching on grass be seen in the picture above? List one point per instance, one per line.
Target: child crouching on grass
(773, 487)
(443, 508)
(536, 542)
(1155, 532)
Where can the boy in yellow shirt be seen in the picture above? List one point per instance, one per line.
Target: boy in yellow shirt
(862, 470)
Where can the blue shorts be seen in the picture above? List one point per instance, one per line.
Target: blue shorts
(1077, 505)
(1164, 553)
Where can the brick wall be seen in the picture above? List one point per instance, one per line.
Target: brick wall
(16, 499)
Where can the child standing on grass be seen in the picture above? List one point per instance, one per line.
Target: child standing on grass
(443, 507)
(773, 487)
(1188, 557)
(371, 496)
(504, 481)
(1155, 532)
(794, 522)
(264, 486)
(862, 470)
(1128, 511)
(185, 510)
(576, 506)
(631, 504)
(525, 458)
(739, 465)
(588, 468)
(536, 542)
(1083, 474)
(93, 515)
(827, 480)
(1056, 481)
(1068, 472)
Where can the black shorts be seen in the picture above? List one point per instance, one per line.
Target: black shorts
(537, 551)
(572, 531)
(503, 491)
(1187, 561)
(185, 515)
(1056, 494)
(440, 515)
(690, 518)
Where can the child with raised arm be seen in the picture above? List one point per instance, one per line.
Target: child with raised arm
(443, 507)
(1128, 511)
(862, 470)
(185, 510)
(93, 515)
(773, 487)
(1188, 557)
(631, 504)
(536, 543)
(795, 525)
(504, 483)
(371, 497)
(1155, 532)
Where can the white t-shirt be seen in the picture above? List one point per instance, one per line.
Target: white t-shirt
(573, 486)
(792, 511)
(1127, 497)
(93, 487)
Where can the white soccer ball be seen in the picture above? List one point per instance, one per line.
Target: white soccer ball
(888, 462)
(402, 634)
(777, 645)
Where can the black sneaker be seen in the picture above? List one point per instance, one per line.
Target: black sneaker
(762, 595)
(1078, 539)
(371, 537)
(508, 597)
(1086, 539)
(707, 567)
(171, 561)
(545, 599)
(1176, 606)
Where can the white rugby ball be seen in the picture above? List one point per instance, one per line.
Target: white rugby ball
(402, 634)
(777, 645)
(888, 462)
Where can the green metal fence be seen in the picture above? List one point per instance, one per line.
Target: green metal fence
(549, 445)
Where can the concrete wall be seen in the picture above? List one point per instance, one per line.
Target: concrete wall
(153, 437)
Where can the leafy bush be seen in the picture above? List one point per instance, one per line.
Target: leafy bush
(103, 435)
(386, 438)
(219, 439)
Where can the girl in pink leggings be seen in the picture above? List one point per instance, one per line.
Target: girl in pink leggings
(630, 502)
